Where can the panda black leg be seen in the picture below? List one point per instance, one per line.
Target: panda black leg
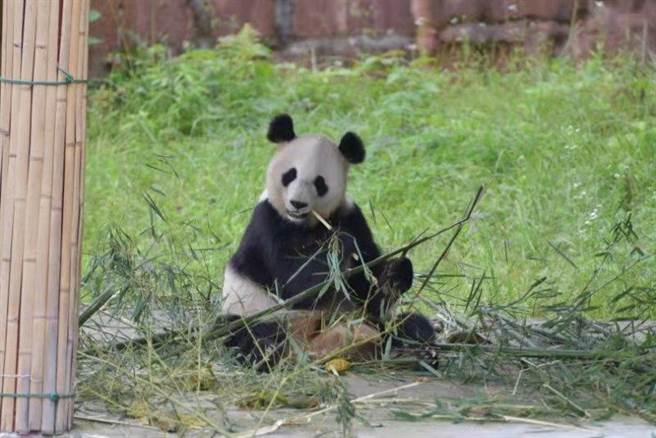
(414, 332)
(412, 329)
(261, 344)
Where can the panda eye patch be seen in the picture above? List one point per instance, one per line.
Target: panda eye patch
(288, 176)
(320, 185)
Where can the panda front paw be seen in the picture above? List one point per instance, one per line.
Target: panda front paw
(413, 329)
(399, 274)
(261, 345)
(415, 335)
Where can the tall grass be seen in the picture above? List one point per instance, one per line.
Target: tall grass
(565, 149)
(565, 230)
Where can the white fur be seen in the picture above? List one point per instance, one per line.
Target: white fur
(242, 296)
(311, 156)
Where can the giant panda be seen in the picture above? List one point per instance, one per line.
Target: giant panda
(283, 250)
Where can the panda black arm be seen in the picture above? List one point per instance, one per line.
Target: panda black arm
(393, 277)
(356, 231)
(354, 227)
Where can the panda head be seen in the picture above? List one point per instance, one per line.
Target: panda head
(308, 173)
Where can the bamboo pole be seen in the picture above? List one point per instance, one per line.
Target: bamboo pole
(35, 170)
(5, 89)
(78, 202)
(43, 249)
(65, 284)
(5, 117)
(55, 236)
(17, 176)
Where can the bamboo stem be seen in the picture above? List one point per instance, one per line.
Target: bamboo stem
(64, 355)
(78, 183)
(55, 234)
(6, 91)
(5, 101)
(542, 353)
(35, 171)
(43, 232)
(17, 176)
(222, 328)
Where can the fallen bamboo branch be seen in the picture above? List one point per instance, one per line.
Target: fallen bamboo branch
(540, 353)
(221, 328)
(307, 417)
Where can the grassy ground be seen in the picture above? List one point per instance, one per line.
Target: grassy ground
(565, 230)
(565, 152)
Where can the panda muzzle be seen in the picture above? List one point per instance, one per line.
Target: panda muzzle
(298, 214)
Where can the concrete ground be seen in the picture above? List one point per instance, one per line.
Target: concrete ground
(377, 399)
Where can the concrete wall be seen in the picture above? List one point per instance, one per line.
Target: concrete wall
(278, 21)
(343, 26)
(531, 23)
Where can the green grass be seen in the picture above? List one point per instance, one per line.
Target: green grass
(566, 229)
(566, 151)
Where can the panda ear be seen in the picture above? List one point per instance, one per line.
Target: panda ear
(281, 129)
(352, 148)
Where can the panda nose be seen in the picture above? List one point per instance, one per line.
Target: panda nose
(298, 204)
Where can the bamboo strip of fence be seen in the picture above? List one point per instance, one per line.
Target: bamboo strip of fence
(65, 284)
(43, 250)
(5, 118)
(5, 102)
(78, 194)
(19, 146)
(51, 353)
(36, 140)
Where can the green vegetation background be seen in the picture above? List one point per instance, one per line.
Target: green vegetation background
(565, 150)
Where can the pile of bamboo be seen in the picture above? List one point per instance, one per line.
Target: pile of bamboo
(42, 132)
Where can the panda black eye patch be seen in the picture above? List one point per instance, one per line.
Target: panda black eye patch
(288, 176)
(321, 186)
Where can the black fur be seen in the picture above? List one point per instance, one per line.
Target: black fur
(289, 258)
(260, 344)
(415, 334)
(288, 177)
(320, 185)
(413, 329)
(281, 129)
(352, 148)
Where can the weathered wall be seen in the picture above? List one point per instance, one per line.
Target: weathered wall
(333, 25)
(123, 22)
(279, 21)
(532, 23)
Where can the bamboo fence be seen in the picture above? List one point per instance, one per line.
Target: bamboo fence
(42, 130)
